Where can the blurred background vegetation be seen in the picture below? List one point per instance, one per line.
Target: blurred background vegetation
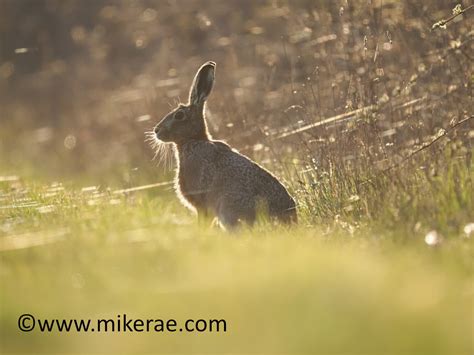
(334, 96)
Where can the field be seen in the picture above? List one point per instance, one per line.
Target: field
(363, 109)
(305, 289)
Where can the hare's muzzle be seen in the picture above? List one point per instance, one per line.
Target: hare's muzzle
(161, 133)
(158, 130)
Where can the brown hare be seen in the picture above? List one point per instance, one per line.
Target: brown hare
(211, 177)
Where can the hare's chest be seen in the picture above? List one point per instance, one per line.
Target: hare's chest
(192, 184)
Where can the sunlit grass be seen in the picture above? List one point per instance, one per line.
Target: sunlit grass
(327, 289)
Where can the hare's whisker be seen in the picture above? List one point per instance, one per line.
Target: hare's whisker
(162, 152)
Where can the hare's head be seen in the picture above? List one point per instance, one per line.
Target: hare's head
(186, 122)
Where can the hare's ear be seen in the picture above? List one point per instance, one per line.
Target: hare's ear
(202, 84)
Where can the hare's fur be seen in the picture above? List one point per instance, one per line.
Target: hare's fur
(212, 178)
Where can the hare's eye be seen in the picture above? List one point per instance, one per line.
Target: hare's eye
(179, 115)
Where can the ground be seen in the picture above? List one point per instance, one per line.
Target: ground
(93, 254)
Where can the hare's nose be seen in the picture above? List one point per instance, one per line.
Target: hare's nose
(159, 131)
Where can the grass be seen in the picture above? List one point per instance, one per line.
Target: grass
(90, 253)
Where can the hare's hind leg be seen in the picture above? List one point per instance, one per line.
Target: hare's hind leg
(231, 213)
